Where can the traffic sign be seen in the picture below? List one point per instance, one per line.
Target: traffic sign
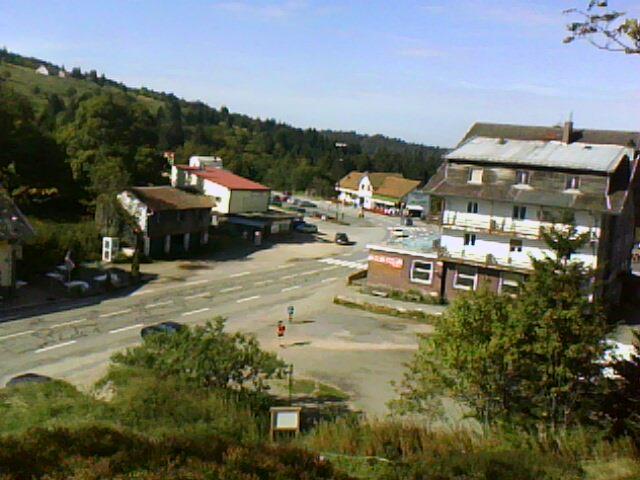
(290, 310)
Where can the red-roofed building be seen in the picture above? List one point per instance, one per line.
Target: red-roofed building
(232, 193)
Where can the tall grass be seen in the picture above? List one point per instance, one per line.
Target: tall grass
(408, 449)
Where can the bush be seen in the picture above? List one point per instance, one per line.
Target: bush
(54, 240)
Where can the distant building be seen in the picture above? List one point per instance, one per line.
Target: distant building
(499, 189)
(172, 221)
(62, 73)
(232, 193)
(42, 70)
(376, 190)
(14, 231)
(202, 161)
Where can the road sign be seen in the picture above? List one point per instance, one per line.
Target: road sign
(291, 310)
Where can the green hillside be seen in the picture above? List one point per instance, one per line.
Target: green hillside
(96, 136)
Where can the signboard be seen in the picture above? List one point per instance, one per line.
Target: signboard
(393, 262)
(290, 310)
(285, 419)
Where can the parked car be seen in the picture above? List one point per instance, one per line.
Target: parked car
(306, 228)
(26, 378)
(307, 204)
(342, 239)
(163, 327)
(399, 232)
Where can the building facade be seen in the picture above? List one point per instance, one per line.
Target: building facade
(504, 185)
(14, 231)
(232, 193)
(172, 221)
(375, 191)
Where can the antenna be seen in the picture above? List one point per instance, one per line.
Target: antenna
(571, 116)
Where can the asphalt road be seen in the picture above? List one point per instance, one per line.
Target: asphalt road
(36, 342)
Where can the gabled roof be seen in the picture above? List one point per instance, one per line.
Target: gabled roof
(378, 178)
(225, 178)
(165, 198)
(13, 224)
(526, 132)
(351, 180)
(539, 153)
(396, 187)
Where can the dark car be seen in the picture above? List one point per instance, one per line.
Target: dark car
(342, 239)
(164, 327)
(26, 378)
(308, 204)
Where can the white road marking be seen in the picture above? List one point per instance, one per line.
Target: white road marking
(280, 267)
(197, 295)
(241, 274)
(248, 299)
(310, 272)
(197, 282)
(124, 329)
(326, 280)
(264, 282)
(112, 314)
(326, 269)
(52, 347)
(26, 332)
(231, 289)
(287, 277)
(72, 322)
(193, 312)
(288, 289)
(159, 304)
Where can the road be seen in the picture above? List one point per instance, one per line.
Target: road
(359, 352)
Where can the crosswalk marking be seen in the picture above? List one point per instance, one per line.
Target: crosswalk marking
(344, 263)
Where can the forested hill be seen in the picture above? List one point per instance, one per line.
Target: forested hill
(71, 139)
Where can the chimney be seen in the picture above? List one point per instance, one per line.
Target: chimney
(567, 130)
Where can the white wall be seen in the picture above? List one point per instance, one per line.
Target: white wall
(222, 195)
(365, 190)
(135, 207)
(498, 216)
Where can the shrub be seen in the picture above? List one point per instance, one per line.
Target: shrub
(54, 240)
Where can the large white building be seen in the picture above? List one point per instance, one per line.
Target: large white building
(505, 184)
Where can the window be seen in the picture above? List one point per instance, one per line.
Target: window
(475, 175)
(422, 272)
(179, 216)
(472, 207)
(519, 212)
(465, 278)
(515, 245)
(510, 283)
(156, 217)
(522, 177)
(470, 239)
(572, 182)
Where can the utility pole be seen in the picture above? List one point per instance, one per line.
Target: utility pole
(290, 383)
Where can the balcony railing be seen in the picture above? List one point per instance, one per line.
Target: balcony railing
(499, 225)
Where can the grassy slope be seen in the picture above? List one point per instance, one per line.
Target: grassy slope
(24, 80)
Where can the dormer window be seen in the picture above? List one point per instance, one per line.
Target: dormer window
(572, 182)
(522, 177)
(475, 175)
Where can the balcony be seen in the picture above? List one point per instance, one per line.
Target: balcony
(515, 262)
(499, 225)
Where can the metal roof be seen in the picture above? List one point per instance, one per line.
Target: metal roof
(549, 154)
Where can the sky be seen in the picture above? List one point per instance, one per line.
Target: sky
(423, 71)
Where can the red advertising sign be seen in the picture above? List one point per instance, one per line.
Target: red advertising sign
(393, 262)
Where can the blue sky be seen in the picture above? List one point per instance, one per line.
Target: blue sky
(423, 71)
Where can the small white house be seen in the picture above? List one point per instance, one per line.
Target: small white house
(42, 70)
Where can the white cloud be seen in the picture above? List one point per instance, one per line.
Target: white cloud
(270, 10)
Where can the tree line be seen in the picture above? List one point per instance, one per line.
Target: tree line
(84, 145)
